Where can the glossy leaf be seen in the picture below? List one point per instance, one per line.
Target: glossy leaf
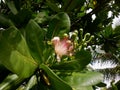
(10, 82)
(55, 82)
(22, 87)
(31, 83)
(14, 54)
(59, 24)
(35, 39)
(79, 80)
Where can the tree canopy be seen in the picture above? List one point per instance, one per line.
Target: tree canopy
(53, 45)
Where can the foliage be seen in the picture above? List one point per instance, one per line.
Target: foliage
(28, 57)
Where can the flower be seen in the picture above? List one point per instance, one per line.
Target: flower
(62, 47)
(98, 64)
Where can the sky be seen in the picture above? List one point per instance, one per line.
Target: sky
(116, 21)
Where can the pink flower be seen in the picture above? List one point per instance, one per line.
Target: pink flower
(62, 47)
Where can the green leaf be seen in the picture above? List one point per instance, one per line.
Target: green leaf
(35, 39)
(11, 6)
(52, 5)
(58, 25)
(82, 80)
(10, 82)
(107, 33)
(5, 22)
(22, 87)
(69, 5)
(22, 18)
(31, 83)
(55, 81)
(67, 66)
(14, 54)
(82, 58)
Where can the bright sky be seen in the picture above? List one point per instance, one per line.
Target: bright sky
(116, 21)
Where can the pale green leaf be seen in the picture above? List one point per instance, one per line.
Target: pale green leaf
(78, 80)
(14, 53)
(31, 83)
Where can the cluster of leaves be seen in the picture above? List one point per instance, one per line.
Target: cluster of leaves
(26, 58)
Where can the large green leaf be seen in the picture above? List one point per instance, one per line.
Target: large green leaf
(35, 39)
(14, 53)
(55, 81)
(59, 24)
(82, 81)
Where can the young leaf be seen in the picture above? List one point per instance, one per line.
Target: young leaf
(55, 81)
(14, 54)
(59, 24)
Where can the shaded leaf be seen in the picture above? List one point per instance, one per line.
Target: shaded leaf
(58, 25)
(5, 22)
(52, 5)
(11, 6)
(69, 5)
(21, 18)
(68, 66)
(107, 33)
(82, 58)
(55, 81)
(14, 54)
